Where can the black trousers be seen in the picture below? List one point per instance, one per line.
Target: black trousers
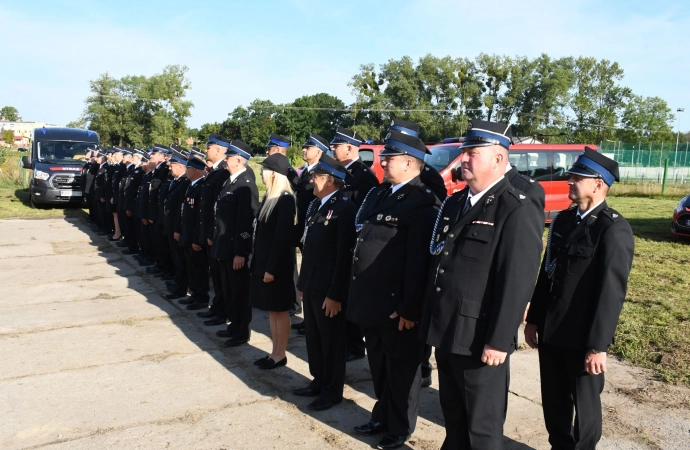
(235, 305)
(132, 231)
(566, 388)
(426, 364)
(474, 400)
(326, 347)
(105, 218)
(163, 249)
(218, 301)
(197, 267)
(395, 359)
(355, 338)
(181, 273)
(88, 196)
(145, 240)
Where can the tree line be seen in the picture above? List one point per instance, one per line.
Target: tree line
(554, 100)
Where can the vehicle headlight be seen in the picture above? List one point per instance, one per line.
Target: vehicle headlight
(40, 175)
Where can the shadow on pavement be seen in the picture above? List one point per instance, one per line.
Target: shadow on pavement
(280, 382)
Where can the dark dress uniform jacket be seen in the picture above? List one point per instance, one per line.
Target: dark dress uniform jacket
(173, 203)
(391, 257)
(108, 188)
(209, 194)
(118, 173)
(434, 181)
(579, 307)
(188, 222)
(129, 171)
(91, 169)
(99, 182)
(162, 195)
(142, 210)
(481, 281)
(160, 174)
(531, 188)
(304, 193)
(235, 210)
(327, 252)
(274, 252)
(358, 182)
(132, 187)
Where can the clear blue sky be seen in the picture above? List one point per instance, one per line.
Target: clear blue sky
(279, 50)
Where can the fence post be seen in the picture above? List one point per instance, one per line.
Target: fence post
(663, 183)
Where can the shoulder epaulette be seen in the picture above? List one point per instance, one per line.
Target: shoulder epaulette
(519, 195)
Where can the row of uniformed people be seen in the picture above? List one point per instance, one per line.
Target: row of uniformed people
(481, 263)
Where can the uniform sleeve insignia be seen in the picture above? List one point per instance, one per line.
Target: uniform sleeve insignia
(245, 235)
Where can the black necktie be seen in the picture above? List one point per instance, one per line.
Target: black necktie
(468, 205)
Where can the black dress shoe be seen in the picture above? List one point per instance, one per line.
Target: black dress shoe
(122, 243)
(187, 301)
(197, 305)
(234, 342)
(302, 331)
(215, 321)
(261, 361)
(206, 314)
(146, 263)
(297, 326)
(371, 428)
(322, 404)
(392, 441)
(129, 252)
(270, 364)
(173, 296)
(306, 392)
(114, 239)
(353, 357)
(292, 311)
(224, 333)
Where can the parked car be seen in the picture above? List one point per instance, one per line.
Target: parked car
(680, 226)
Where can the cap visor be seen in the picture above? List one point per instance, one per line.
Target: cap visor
(581, 172)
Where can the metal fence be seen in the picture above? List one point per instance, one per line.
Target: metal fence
(645, 161)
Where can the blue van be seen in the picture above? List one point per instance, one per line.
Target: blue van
(56, 161)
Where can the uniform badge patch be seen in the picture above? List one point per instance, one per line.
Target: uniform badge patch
(388, 218)
(379, 217)
(446, 228)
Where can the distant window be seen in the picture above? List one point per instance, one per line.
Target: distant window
(562, 161)
(367, 157)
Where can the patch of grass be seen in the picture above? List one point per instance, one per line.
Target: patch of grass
(654, 329)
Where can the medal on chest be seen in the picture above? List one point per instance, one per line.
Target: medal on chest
(328, 216)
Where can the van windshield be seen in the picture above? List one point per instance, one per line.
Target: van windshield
(62, 152)
(442, 156)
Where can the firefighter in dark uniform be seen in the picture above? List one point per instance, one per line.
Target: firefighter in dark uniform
(434, 181)
(232, 239)
(88, 176)
(312, 150)
(188, 236)
(430, 176)
(358, 182)
(213, 183)
(171, 212)
(99, 192)
(577, 302)
(119, 169)
(131, 190)
(121, 216)
(147, 255)
(279, 144)
(155, 223)
(386, 292)
(324, 279)
(487, 246)
(108, 192)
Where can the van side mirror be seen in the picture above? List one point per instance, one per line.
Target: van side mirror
(26, 162)
(456, 173)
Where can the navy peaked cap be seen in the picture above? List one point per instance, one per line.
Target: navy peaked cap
(399, 143)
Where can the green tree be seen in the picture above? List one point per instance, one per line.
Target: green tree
(8, 137)
(10, 113)
(253, 124)
(646, 119)
(597, 99)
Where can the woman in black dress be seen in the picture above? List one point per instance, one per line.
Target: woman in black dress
(273, 264)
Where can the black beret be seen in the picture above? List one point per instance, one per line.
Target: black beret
(277, 162)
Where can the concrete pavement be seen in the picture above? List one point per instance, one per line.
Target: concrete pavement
(93, 357)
